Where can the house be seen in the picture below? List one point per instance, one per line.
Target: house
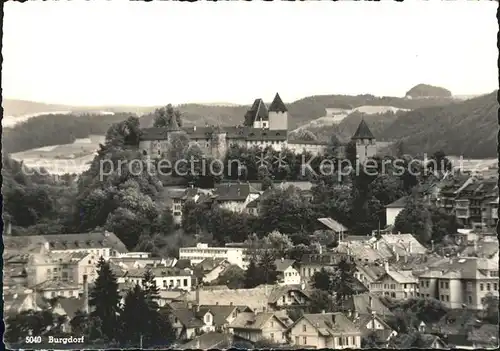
(421, 341)
(312, 263)
(210, 269)
(263, 298)
(460, 281)
(235, 197)
(253, 207)
(68, 267)
(287, 274)
(54, 288)
(191, 319)
(325, 330)
(174, 199)
(393, 209)
(105, 244)
(374, 324)
(395, 284)
(17, 301)
(165, 277)
(368, 273)
(337, 227)
(486, 336)
(213, 341)
(259, 326)
(365, 304)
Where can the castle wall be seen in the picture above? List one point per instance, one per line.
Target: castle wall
(278, 120)
(314, 149)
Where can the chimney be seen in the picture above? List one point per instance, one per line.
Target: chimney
(370, 302)
(333, 318)
(397, 257)
(376, 245)
(432, 245)
(302, 285)
(106, 233)
(386, 266)
(194, 128)
(282, 259)
(85, 294)
(406, 258)
(349, 313)
(409, 247)
(323, 312)
(355, 314)
(8, 230)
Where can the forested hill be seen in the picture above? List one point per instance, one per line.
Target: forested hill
(468, 128)
(55, 130)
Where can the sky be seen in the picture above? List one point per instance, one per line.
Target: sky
(136, 53)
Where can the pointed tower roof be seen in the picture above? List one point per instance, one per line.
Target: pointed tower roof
(277, 105)
(363, 131)
(257, 112)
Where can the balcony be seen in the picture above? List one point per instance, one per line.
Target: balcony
(461, 213)
(462, 204)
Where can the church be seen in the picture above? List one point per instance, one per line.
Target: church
(262, 127)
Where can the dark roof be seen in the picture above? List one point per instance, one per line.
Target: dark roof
(363, 131)
(257, 112)
(399, 203)
(277, 105)
(154, 133)
(96, 240)
(233, 192)
(71, 305)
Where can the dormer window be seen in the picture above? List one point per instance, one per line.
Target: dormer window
(208, 318)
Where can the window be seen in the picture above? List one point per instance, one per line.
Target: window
(304, 328)
(495, 286)
(393, 294)
(297, 340)
(481, 286)
(272, 336)
(426, 283)
(185, 282)
(447, 298)
(304, 339)
(208, 318)
(488, 286)
(469, 299)
(442, 297)
(164, 283)
(404, 286)
(340, 341)
(447, 285)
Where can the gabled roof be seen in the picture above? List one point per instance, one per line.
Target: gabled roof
(233, 192)
(332, 224)
(252, 321)
(328, 324)
(282, 264)
(277, 105)
(363, 131)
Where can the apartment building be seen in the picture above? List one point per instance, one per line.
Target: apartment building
(396, 284)
(470, 202)
(165, 277)
(325, 330)
(234, 255)
(67, 267)
(312, 263)
(461, 282)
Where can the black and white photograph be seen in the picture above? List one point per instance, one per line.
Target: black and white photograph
(250, 175)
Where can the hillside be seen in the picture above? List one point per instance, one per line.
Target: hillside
(467, 128)
(426, 91)
(301, 111)
(347, 127)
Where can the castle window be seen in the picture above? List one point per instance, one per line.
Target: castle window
(144, 152)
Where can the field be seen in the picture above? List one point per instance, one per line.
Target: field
(61, 159)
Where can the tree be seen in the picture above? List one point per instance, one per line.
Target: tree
(343, 281)
(253, 276)
(415, 218)
(134, 317)
(267, 267)
(104, 299)
(267, 183)
(233, 278)
(491, 309)
(167, 116)
(321, 280)
(321, 301)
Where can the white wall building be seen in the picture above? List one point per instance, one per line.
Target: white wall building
(195, 255)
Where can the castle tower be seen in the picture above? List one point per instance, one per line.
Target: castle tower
(366, 145)
(278, 114)
(257, 116)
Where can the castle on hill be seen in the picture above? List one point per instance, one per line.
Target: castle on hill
(262, 127)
